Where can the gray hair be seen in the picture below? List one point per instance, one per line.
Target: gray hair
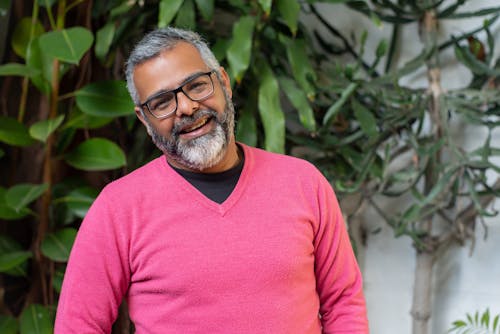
(156, 41)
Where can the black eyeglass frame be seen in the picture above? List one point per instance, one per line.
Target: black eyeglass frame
(145, 104)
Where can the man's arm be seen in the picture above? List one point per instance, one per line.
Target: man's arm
(339, 282)
(97, 275)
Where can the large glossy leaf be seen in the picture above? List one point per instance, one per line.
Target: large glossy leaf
(21, 195)
(186, 15)
(301, 67)
(105, 99)
(270, 111)
(67, 45)
(247, 127)
(240, 50)
(14, 133)
(11, 260)
(57, 246)
(8, 325)
(36, 319)
(104, 38)
(23, 33)
(168, 10)
(266, 5)
(289, 11)
(18, 70)
(96, 154)
(39, 60)
(43, 129)
(8, 213)
(80, 120)
(300, 102)
(9, 245)
(206, 8)
(80, 200)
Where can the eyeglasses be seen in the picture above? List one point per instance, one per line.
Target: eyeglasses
(164, 104)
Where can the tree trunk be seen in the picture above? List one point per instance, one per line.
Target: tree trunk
(422, 292)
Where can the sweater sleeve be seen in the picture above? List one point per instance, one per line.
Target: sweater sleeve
(339, 282)
(97, 275)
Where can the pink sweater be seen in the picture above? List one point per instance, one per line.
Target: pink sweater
(269, 259)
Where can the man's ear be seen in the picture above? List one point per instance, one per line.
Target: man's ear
(140, 115)
(226, 81)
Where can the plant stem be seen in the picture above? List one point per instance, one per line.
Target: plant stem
(422, 293)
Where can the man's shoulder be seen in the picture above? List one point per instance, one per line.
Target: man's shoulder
(141, 178)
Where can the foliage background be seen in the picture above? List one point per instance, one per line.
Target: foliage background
(67, 125)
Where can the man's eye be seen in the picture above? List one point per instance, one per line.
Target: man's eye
(197, 86)
(161, 102)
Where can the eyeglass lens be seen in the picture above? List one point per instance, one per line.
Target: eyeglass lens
(196, 89)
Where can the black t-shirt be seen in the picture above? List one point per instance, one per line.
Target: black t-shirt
(216, 186)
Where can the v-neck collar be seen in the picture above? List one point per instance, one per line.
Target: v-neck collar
(193, 194)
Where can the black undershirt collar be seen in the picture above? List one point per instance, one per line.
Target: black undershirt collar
(216, 186)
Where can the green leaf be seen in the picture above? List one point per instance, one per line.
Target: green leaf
(299, 100)
(47, 3)
(57, 246)
(79, 120)
(9, 245)
(266, 5)
(39, 60)
(20, 195)
(270, 111)
(9, 261)
(367, 121)
(247, 127)
(186, 16)
(485, 318)
(18, 69)
(206, 8)
(8, 325)
(439, 187)
(335, 108)
(289, 11)
(240, 49)
(57, 280)
(43, 129)
(80, 200)
(381, 48)
(96, 154)
(168, 9)
(21, 37)
(104, 38)
(14, 133)
(105, 99)
(301, 66)
(67, 45)
(36, 319)
(8, 213)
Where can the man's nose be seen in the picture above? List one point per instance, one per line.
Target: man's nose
(185, 106)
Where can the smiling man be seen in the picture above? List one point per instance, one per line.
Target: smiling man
(214, 236)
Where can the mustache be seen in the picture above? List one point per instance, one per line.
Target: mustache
(187, 121)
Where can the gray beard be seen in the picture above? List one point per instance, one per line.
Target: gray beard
(202, 152)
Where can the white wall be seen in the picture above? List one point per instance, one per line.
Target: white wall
(464, 283)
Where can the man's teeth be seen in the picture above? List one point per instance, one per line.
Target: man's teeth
(196, 125)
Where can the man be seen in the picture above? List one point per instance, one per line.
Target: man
(214, 236)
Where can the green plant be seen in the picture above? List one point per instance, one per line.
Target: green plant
(383, 141)
(477, 323)
(67, 125)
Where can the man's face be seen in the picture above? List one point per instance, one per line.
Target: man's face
(197, 135)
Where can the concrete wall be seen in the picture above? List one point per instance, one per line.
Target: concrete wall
(463, 282)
